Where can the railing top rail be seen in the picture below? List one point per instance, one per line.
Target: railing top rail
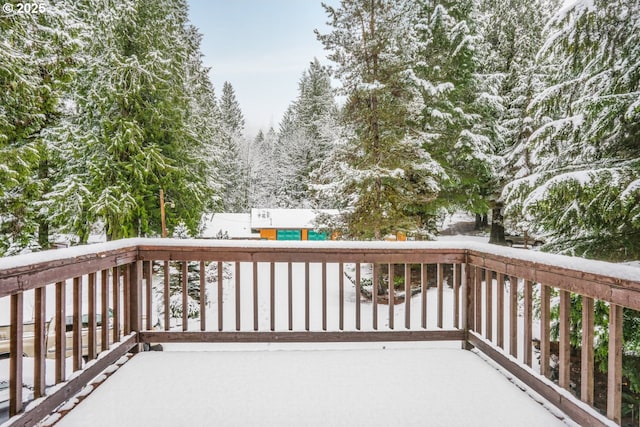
(27, 271)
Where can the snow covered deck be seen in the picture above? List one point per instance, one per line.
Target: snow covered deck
(251, 294)
(390, 384)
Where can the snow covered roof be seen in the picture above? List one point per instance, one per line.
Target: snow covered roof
(235, 225)
(286, 218)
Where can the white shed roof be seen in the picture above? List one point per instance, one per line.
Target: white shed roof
(236, 225)
(286, 218)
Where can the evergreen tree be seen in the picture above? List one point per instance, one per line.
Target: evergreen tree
(232, 169)
(512, 34)
(306, 132)
(37, 64)
(583, 189)
(132, 132)
(264, 178)
(457, 102)
(379, 167)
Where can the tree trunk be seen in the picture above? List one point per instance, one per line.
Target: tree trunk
(497, 226)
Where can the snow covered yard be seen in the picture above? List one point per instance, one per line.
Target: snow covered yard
(386, 384)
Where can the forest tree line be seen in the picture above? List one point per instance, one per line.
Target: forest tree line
(528, 109)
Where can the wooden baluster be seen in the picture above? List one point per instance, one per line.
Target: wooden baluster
(375, 297)
(407, 296)
(587, 361)
(290, 294)
(440, 276)
(91, 321)
(134, 289)
(467, 272)
(324, 296)
(456, 295)
(60, 338)
(126, 299)
(500, 310)
(488, 296)
(528, 323)
(238, 314)
(391, 294)
(470, 296)
(185, 296)
(614, 372)
(203, 298)
(220, 296)
(513, 316)
(341, 295)
(16, 337)
(39, 345)
(272, 295)
(565, 348)
(148, 303)
(424, 287)
(77, 324)
(545, 329)
(115, 296)
(104, 290)
(255, 296)
(307, 324)
(167, 297)
(358, 296)
(478, 299)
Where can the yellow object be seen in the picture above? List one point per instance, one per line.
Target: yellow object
(401, 236)
(305, 234)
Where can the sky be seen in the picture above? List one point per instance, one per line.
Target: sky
(262, 48)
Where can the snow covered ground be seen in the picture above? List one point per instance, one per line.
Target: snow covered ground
(383, 386)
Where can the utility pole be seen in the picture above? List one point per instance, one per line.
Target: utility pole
(164, 225)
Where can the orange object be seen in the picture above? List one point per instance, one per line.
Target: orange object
(268, 234)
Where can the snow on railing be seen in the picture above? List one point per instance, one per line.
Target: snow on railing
(170, 290)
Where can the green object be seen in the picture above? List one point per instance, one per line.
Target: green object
(315, 235)
(288, 235)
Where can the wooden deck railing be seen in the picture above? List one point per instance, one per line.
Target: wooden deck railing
(480, 295)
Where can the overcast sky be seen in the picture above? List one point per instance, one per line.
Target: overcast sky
(261, 47)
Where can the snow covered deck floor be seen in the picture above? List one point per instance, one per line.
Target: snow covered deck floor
(343, 385)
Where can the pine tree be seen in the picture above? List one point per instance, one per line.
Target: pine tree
(379, 167)
(37, 64)
(264, 177)
(306, 132)
(457, 103)
(583, 190)
(132, 132)
(512, 35)
(232, 168)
